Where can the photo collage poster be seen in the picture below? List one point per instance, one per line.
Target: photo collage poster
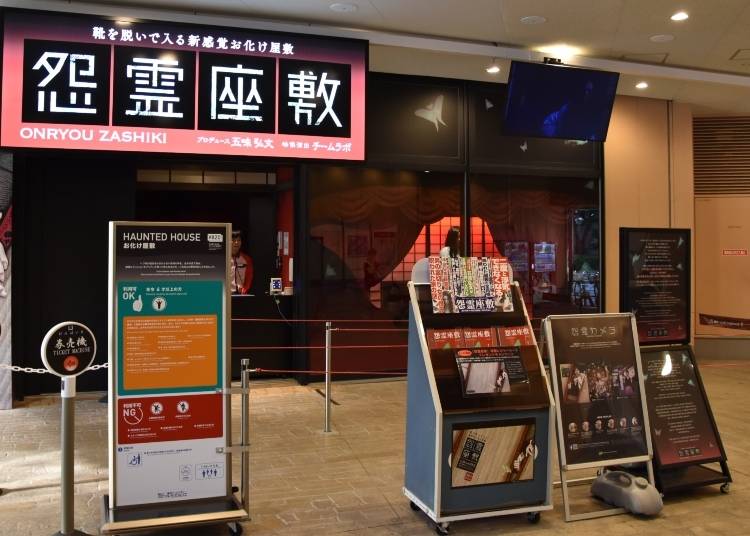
(600, 400)
(470, 285)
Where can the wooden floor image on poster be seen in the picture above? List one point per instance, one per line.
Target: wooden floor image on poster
(492, 455)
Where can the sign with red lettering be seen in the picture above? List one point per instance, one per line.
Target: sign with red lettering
(734, 253)
(76, 82)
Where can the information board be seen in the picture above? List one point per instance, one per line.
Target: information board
(79, 82)
(655, 283)
(168, 415)
(682, 426)
(598, 383)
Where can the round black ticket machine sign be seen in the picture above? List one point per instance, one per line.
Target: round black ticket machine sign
(68, 349)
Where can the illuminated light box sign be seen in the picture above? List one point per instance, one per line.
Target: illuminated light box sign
(72, 82)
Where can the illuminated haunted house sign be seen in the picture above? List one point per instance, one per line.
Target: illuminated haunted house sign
(85, 83)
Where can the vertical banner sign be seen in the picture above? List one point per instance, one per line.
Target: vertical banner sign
(655, 283)
(169, 308)
(682, 426)
(77, 82)
(598, 382)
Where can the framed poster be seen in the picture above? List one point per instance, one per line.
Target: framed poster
(544, 257)
(493, 453)
(168, 362)
(682, 425)
(598, 383)
(81, 82)
(655, 283)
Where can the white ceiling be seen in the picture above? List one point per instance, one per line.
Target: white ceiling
(715, 39)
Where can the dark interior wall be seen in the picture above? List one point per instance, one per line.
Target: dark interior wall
(62, 208)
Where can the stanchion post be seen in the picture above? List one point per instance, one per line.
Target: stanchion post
(327, 426)
(245, 431)
(67, 446)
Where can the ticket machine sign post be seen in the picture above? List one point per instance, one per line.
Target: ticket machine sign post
(68, 349)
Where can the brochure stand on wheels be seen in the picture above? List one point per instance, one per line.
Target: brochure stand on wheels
(602, 419)
(473, 451)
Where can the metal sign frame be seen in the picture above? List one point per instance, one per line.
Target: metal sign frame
(564, 466)
(227, 509)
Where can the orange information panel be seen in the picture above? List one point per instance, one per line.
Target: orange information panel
(164, 352)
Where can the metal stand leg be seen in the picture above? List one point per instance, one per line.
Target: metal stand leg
(245, 430)
(67, 447)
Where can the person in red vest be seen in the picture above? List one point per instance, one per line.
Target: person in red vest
(241, 266)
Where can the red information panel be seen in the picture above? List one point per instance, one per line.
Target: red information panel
(169, 418)
(76, 82)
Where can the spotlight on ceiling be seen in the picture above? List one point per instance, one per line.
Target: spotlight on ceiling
(680, 16)
(641, 85)
(493, 68)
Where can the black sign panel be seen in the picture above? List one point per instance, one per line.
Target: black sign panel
(154, 88)
(419, 120)
(682, 426)
(236, 93)
(597, 382)
(655, 283)
(68, 349)
(65, 83)
(314, 98)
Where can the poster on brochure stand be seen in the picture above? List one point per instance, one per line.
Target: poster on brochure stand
(598, 382)
(470, 284)
(655, 283)
(168, 370)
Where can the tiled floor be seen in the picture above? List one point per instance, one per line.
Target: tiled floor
(345, 482)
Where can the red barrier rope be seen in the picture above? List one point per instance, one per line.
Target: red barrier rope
(400, 330)
(342, 320)
(348, 372)
(353, 347)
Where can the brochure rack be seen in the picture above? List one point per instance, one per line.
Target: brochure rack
(475, 455)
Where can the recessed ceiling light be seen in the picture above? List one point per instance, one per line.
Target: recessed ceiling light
(641, 85)
(493, 68)
(123, 22)
(561, 51)
(680, 16)
(661, 38)
(342, 7)
(533, 19)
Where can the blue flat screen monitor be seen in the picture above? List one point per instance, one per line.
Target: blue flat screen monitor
(552, 101)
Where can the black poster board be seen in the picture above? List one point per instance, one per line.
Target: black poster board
(598, 384)
(417, 121)
(683, 429)
(655, 283)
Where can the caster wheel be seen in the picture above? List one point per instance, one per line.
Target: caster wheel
(724, 487)
(533, 517)
(443, 528)
(413, 506)
(235, 529)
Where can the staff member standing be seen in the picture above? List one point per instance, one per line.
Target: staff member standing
(242, 266)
